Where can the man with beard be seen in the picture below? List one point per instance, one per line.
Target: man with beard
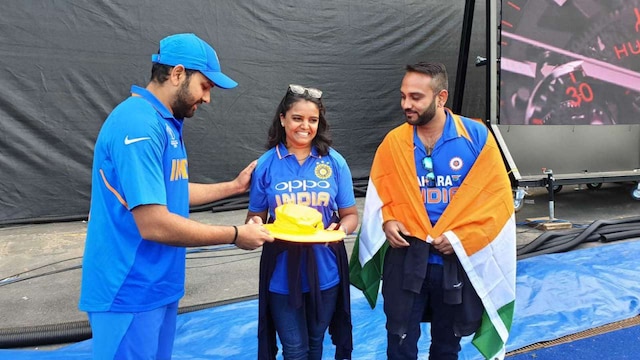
(134, 260)
(438, 193)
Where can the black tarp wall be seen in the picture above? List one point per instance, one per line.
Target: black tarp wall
(65, 64)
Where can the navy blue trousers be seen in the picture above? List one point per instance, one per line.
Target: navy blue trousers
(444, 344)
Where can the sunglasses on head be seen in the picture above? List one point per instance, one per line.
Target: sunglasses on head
(427, 164)
(301, 90)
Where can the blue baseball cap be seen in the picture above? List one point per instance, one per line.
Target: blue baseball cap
(193, 53)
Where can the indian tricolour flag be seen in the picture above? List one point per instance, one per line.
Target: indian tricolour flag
(479, 222)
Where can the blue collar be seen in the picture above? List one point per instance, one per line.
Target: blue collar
(153, 100)
(449, 132)
(283, 152)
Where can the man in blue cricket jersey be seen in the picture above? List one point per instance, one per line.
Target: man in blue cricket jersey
(445, 147)
(134, 261)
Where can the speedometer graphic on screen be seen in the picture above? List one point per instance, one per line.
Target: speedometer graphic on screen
(571, 62)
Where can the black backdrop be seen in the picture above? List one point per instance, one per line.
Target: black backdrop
(65, 64)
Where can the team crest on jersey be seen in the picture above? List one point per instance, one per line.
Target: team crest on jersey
(174, 141)
(323, 170)
(455, 163)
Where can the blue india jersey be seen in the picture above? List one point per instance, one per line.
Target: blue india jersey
(139, 159)
(452, 157)
(321, 182)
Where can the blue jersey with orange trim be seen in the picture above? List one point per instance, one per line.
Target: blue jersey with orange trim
(452, 156)
(321, 182)
(139, 159)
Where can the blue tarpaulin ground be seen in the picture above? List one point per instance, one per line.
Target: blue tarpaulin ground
(623, 344)
(557, 295)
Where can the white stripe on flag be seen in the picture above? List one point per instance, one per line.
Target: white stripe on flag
(371, 235)
(493, 280)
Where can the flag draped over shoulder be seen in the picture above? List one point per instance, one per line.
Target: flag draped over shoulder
(479, 222)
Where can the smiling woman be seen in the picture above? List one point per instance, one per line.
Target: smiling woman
(300, 125)
(300, 168)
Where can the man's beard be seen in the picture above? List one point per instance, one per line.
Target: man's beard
(183, 104)
(426, 116)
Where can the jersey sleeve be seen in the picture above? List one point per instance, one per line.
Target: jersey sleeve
(137, 147)
(345, 197)
(258, 200)
(478, 133)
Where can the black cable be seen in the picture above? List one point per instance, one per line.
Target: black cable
(76, 331)
(200, 257)
(551, 239)
(223, 263)
(563, 241)
(608, 229)
(12, 280)
(544, 237)
(45, 334)
(620, 235)
(37, 268)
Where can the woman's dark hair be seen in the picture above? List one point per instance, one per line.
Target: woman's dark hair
(322, 141)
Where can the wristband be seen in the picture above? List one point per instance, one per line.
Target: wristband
(235, 236)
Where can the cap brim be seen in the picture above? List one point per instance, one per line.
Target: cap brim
(321, 236)
(221, 80)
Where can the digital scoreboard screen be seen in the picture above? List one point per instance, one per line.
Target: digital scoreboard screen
(571, 62)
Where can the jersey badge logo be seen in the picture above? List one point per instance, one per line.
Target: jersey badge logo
(323, 170)
(455, 163)
(174, 141)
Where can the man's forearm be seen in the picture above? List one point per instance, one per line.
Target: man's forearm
(156, 223)
(200, 194)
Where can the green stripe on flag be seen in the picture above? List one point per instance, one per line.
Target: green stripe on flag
(367, 278)
(487, 340)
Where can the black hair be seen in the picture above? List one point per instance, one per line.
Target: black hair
(160, 72)
(322, 141)
(437, 72)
